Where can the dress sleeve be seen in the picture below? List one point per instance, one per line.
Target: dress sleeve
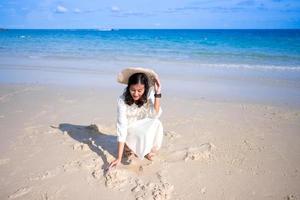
(153, 113)
(121, 121)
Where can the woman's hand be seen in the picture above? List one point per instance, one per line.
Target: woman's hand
(157, 86)
(114, 163)
(119, 157)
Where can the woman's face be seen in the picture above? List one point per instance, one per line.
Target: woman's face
(137, 91)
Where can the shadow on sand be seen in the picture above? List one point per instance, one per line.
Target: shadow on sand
(97, 141)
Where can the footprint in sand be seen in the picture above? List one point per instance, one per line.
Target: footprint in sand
(140, 190)
(291, 197)
(123, 178)
(97, 174)
(20, 192)
(117, 178)
(202, 152)
(72, 166)
(160, 190)
(151, 190)
(45, 175)
(171, 135)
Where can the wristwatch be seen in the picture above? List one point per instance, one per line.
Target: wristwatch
(157, 95)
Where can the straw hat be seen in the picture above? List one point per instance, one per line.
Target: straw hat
(124, 75)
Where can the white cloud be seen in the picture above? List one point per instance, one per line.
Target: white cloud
(61, 9)
(115, 9)
(77, 10)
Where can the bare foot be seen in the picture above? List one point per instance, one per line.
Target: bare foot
(150, 156)
(128, 154)
(127, 151)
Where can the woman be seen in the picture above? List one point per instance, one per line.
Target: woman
(138, 128)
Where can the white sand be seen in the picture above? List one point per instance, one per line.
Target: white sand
(211, 150)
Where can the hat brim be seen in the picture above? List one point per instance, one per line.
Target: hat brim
(124, 75)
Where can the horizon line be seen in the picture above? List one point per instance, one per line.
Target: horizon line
(116, 29)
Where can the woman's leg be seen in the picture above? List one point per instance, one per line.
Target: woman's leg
(157, 141)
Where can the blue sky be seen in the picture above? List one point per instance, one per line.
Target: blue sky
(201, 14)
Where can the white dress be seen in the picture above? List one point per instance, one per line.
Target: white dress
(139, 127)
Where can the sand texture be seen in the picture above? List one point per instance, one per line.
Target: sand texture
(58, 141)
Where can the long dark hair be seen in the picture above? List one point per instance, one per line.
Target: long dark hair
(137, 78)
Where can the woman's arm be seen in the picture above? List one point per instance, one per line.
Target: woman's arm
(121, 132)
(119, 156)
(157, 88)
(120, 150)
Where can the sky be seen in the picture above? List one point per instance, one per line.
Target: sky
(152, 14)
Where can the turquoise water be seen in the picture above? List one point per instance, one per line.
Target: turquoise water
(262, 48)
(252, 65)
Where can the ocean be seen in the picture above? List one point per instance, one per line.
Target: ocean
(260, 48)
(226, 57)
